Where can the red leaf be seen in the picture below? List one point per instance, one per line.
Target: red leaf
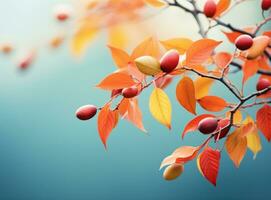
(193, 124)
(107, 121)
(222, 6)
(209, 164)
(263, 118)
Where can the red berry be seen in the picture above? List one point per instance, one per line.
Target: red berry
(209, 8)
(62, 16)
(208, 125)
(266, 4)
(262, 84)
(115, 92)
(221, 130)
(130, 92)
(169, 61)
(86, 112)
(243, 42)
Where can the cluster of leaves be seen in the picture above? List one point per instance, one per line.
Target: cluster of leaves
(142, 69)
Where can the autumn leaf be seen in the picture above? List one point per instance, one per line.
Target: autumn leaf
(181, 155)
(209, 161)
(180, 44)
(185, 93)
(232, 36)
(212, 103)
(237, 117)
(236, 146)
(253, 138)
(149, 47)
(107, 120)
(155, 3)
(134, 114)
(193, 124)
(82, 38)
(117, 36)
(160, 107)
(200, 51)
(202, 86)
(250, 68)
(222, 6)
(222, 59)
(263, 118)
(116, 80)
(120, 57)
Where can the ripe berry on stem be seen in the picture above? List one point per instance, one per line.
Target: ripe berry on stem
(86, 112)
(243, 42)
(209, 8)
(262, 84)
(208, 125)
(130, 92)
(266, 4)
(169, 61)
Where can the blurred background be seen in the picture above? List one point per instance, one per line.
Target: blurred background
(46, 153)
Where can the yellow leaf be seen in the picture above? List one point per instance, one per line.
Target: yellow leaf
(148, 65)
(160, 107)
(253, 138)
(120, 57)
(202, 86)
(236, 146)
(237, 117)
(82, 38)
(155, 3)
(180, 44)
(117, 36)
(185, 93)
(149, 47)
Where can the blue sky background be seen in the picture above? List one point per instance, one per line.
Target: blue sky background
(45, 153)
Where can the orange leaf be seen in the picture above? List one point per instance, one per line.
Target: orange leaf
(212, 103)
(263, 118)
(193, 124)
(222, 59)
(149, 47)
(200, 51)
(135, 115)
(116, 80)
(249, 69)
(202, 86)
(222, 5)
(185, 93)
(236, 146)
(181, 155)
(232, 36)
(209, 161)
(120, 57)
(107, 121)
